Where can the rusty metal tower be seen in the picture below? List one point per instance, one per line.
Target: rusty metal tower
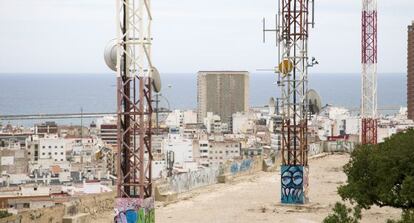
(294, 21)
(134, 109)
(369, 72)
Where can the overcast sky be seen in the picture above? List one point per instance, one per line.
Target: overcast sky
(68, 36)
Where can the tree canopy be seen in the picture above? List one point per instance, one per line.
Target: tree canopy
(382, 174)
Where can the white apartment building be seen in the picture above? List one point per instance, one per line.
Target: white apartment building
(242, 122)
(182, 148)
(179, 118)
(50, 147)
(213, 124)
(215, 152)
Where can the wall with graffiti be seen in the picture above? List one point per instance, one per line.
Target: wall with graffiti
(208, 176)
(294, 184)
(188, 181)
(331, 147)
(134, 210)
(242, 167)
(339, 146)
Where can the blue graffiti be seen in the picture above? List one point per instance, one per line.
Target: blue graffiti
(292, 185)
(234, 168)
(245, 165)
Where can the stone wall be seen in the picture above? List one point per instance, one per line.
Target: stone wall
(94, 205)
(91, 205)
(44, 215)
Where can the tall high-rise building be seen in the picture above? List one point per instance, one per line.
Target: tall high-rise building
(223, 93)
(410, 72)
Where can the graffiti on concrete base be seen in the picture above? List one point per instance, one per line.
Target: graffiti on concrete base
(134, 210)
(292, 185)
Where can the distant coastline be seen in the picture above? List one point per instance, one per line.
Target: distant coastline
(22, 93)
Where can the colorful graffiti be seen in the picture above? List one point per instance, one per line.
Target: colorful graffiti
(134, 210)
(293, 180)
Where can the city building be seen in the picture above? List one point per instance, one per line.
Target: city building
(182, 148)
(107, 130)
(223, 93)
(50, 147)
(214, 124)
(46, 128)
(410, 72)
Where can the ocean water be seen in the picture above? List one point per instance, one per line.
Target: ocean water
(68, 93)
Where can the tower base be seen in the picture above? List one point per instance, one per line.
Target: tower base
(134, 210)
(294, 184)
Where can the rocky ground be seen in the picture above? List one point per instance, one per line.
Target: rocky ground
(256, 199)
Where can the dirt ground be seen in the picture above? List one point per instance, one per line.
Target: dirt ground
(256, 199)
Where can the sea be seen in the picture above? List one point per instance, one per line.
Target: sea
(70, 93)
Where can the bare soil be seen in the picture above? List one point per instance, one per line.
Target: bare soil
(257, 199)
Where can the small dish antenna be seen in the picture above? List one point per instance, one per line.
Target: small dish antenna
(110, 54)
(285, 67)
(314, 102)
(156, 80)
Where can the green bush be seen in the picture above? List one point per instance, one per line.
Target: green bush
(342, 214)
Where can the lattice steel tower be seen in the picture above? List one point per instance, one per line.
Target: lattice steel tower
(292, 34)
(369, 72)
(134, 108)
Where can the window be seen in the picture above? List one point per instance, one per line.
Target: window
(43, 147)
(50, 147)
(61, 147)
(61, 159)
(28, 153)
(43, 154)
(55, 153)
(61, 153)
(55, 147)
(49, 153)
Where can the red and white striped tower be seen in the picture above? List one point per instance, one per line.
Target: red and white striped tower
(369, 72)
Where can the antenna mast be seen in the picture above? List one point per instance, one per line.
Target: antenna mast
(369, 72)
(134, 109)
(295, 17)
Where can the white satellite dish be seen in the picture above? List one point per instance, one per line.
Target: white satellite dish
(110, 54)
(314, 102)
(156, 80)
(272, 106)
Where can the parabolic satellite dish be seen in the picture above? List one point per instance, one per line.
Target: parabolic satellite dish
(156, 80)
(272, 106)
(110, 54)
(314, 102)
